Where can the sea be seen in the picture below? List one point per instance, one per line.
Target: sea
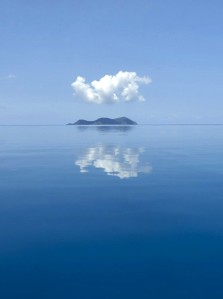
(102, 212)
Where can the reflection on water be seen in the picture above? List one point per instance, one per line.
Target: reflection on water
(114, 160)
(106, 128)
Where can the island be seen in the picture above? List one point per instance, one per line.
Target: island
(104, 121)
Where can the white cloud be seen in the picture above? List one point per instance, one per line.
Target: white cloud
(124, 86)
(114, 160)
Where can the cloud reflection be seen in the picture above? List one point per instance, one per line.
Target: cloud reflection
(114, 160)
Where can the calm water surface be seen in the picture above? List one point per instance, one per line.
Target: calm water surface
(111, 213)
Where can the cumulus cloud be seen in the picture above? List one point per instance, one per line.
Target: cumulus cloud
(122, 87)
(123, 163)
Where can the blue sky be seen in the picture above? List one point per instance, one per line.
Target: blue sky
(46, 44)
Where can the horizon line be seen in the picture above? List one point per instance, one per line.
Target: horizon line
(144, 124)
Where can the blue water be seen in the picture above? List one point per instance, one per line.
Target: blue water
(111, 213)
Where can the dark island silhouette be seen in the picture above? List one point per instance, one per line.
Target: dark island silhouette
(104, 121)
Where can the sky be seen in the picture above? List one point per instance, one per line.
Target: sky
(153, 61)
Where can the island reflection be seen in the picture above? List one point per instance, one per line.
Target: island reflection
(123, 162)
(107, 128)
